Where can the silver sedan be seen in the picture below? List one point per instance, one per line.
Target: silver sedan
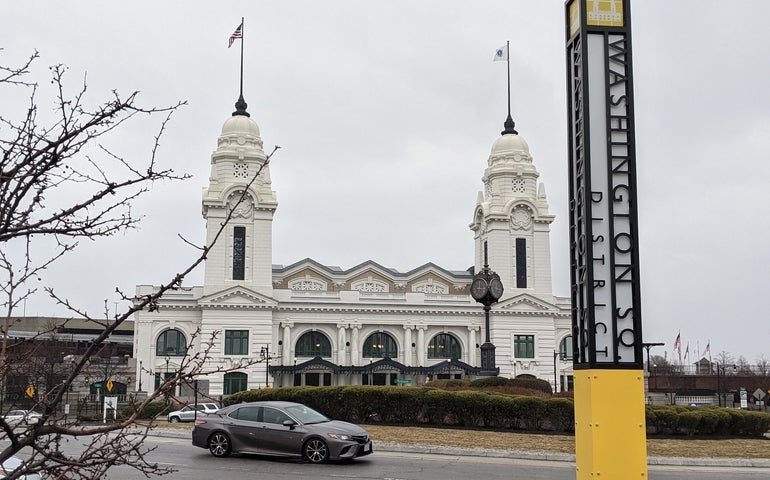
(280, 428)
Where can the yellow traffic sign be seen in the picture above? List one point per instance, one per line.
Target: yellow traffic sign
(109, 385)
(30, 391)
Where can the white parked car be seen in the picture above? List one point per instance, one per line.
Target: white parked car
(187, 414)
(12, 464)
(27, 417)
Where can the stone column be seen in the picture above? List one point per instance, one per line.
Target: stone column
(355, 356)
(421, 346)
(287, 347)
(341, 343)
(472, 345)
(407, 356)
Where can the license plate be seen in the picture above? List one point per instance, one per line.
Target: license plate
(368, 447)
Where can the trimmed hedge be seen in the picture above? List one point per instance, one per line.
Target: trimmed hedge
(486, 382)
(490, 409)
(425, 406)
(151, 411)
(706, 421)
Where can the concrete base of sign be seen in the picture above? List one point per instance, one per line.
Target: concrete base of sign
(610, 429)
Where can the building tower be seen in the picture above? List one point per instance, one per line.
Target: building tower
(243, 253)
(512, 217)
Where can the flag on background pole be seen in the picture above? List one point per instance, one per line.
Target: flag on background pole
(236, 35)
(501, 54)
(678, 345)
(687, 351)
(707, 351)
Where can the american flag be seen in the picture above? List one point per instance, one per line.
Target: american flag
(238, 33)
(678, 345)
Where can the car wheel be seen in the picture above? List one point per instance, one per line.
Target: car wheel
(219, 445)
(174, 420)
(316, 451)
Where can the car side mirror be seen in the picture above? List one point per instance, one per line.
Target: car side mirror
(289, 423)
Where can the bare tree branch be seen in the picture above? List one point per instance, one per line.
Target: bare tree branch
(36, 161)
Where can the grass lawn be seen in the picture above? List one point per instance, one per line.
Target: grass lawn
(656, 447)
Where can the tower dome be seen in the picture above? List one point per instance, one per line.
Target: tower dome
(510, 143)
(240, 125)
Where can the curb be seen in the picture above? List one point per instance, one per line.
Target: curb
(523, 454)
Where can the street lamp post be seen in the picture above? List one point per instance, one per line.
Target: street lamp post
(647, 347)
(140, 376)
(555, 355)
(264, 354)
(487, 289)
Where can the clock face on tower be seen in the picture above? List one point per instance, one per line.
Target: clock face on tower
(479, 289)
(496, 288)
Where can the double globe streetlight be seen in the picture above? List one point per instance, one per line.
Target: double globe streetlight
(487, 289)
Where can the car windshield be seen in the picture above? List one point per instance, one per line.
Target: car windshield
(306, 415)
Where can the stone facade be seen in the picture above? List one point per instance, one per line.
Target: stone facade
(322, 325)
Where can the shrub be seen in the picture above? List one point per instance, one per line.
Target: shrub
(531, 411)
(560, 413)
(531, 383)
(150, 411)
(489, 382)
(688, 421)
(490, 407)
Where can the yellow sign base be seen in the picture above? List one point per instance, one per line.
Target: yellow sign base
(610, 430)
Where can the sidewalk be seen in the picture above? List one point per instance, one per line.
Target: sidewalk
(519, 454)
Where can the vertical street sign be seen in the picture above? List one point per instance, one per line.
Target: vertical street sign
(606, 305)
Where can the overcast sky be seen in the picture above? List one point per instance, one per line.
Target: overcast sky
(386, 112)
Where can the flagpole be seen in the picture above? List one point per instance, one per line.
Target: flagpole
(508, 61)
(240, 105)
(510, 125)
(243, 40)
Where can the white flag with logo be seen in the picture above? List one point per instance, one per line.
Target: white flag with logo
(501, 54)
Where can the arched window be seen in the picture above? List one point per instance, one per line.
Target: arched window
(444, 345)
(235, 382)
(171, 343)
(313, 344)
(380, 345)
(565, 348)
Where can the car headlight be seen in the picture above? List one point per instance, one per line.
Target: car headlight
(340, 436)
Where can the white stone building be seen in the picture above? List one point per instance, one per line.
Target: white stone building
(321, 325)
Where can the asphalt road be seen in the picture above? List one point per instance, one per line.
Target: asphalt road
(194, 463)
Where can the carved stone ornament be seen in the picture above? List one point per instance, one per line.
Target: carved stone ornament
(521, 218)
(241, 170)
(244, 209)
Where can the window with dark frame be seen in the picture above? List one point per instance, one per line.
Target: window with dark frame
(444, 345)
(380, 345)
(524, 346)
(313, 344)
(171, 343)
(521, 263)
(236, 342)
(239, 253)
(235, 382)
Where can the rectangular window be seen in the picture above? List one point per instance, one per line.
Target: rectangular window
(236, 342)
(524, 346)
(239, 253)
(521, 263)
